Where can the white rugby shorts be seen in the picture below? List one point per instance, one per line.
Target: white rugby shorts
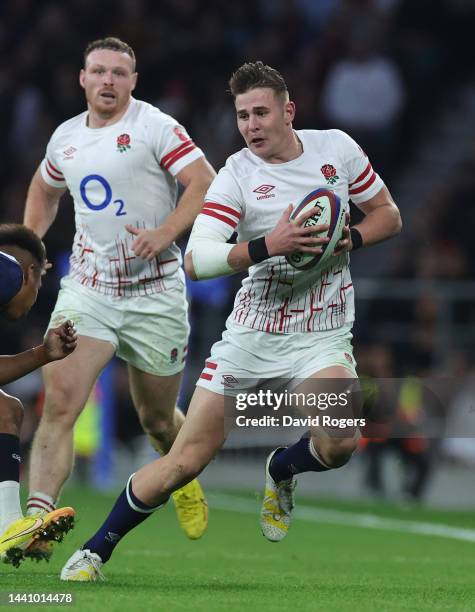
(149, 332)
(245, 358)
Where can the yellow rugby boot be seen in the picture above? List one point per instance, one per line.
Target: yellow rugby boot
(191, 509)
(17, 536)
(56, 524)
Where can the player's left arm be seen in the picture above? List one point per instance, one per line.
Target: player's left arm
(382, 220)
(196, 177)
(58, 343)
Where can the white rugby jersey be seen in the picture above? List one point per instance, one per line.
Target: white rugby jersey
(117, 175)
(249, 196)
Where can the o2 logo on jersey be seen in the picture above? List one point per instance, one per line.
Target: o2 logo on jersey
(107, 195)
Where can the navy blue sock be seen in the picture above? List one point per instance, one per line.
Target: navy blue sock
(9, 457)
(127, 513)
(298, 458)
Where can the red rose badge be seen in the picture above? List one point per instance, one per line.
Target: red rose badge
(123, 142)
(329, 172)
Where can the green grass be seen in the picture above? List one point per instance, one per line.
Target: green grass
(318, 567)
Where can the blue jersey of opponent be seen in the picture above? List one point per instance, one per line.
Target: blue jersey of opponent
(11, 278)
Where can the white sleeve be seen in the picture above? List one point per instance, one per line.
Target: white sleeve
(214, 225)
(209, 251)
(223, 206)
(172, 145)
(364, 182)
(50, 167)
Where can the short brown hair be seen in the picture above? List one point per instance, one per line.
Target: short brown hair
(112, 43)
(256, 74)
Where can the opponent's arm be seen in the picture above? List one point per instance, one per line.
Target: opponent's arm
(41, 204)
(208, 255)
(382, 221)
(196, 177)
(58, 343)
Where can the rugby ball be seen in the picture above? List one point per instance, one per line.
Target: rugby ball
(328, 211)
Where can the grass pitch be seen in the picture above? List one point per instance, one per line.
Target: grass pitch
(319, 566)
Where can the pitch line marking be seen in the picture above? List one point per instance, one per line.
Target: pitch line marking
(351, 519)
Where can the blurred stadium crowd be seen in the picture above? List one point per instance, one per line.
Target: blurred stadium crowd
(382, 70)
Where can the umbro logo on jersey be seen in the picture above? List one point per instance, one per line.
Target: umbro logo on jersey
(265, 190)
(69, 153)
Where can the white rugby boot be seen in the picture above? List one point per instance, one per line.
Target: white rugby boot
(83, 566)
(277, 506)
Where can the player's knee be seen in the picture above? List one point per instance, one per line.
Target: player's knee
(11, 414)
(158, 427)
(335, 452)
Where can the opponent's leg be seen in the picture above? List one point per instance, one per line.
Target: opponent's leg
(318, 452)
(67, 388)
(17, 532)
(201, 436)
(11, 417)
(155, 400)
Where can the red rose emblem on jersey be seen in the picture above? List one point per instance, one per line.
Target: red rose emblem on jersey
(329, 172)
(123, 139)
(123, 142)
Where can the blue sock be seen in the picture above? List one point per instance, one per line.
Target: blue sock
(127, 513)
(298, 458)
(9, 457)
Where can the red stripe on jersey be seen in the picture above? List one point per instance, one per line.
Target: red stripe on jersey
(211, 213)
(364, 186)
(53, 176)
(206, 376)
(226, 209)
(54, 167)
(179, 156)
(53, 170)
(169, 158)
(210, 365)
(363, 175)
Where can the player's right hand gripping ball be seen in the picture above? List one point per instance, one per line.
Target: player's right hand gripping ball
(328, 211)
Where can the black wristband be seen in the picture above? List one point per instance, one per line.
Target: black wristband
(258, 250)
(356, 238)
